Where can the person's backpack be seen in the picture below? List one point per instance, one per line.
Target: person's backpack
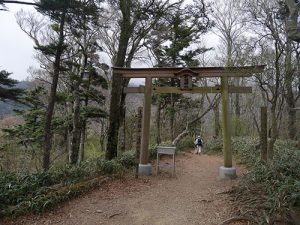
(199, 141)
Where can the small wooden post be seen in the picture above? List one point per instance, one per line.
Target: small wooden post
(264, 133)
(144, 157)
(226, 123)
(138, 139)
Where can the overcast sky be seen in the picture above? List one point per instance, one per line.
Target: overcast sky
(16, 48)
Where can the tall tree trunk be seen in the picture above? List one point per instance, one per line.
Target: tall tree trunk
(123, 121)
(115, 109)
(217, 125)
(51, 102)
(237, 109)
(289, 92)
(264, 133)
(122, 105)
(274, 133)
(298, 95)
(82, 142)
(77, 123)
(74, 150)
(237, 106)
(237, 100)
(172, 117)
(172, 109)
(274, 102)
(66, 138)
(158, 115)
(83, 128)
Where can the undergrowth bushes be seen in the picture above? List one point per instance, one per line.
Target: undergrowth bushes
(24, 191)
(127, 159)
(213, 146)
(244, 149)
(185, 143)
(277, 182)
(273, 186)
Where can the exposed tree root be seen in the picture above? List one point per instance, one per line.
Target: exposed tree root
(115, 214)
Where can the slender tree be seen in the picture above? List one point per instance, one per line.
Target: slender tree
(117, 82)
(137, 19)
(83, 29)
(289, 12)
(57, 11)
(269, 30)
(230, 27)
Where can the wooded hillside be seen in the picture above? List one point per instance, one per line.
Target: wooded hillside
(74, 121)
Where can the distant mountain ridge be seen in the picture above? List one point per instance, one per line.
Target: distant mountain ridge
(7, 107)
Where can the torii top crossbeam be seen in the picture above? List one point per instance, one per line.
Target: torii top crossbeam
(169, 72)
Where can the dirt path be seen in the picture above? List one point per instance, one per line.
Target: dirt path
(193, 197)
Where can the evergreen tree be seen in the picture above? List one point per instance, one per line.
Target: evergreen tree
(7, 92)
(31, 131)
(83, 29)
(172, 46)
(66, 56)
(57, 11)
(62, 13)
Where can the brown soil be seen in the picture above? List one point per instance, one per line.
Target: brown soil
(193, 196)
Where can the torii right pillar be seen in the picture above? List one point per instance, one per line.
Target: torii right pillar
(226, 171)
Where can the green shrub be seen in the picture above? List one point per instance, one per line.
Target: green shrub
(240, 127)
(111, 167)
(23, 191)
(185, 143)
(294, 189)
(272, 186)
(93, 147)
(275, 183)
(21, 186)
(127, 159)
(242, 147)
(245, 149)
(70, 173)
(213, 145)
(152, 151)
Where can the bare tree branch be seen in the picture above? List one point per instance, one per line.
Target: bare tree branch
(190, 123)
(19, 2)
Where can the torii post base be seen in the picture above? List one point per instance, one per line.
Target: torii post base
(145, 169)
(227, 173)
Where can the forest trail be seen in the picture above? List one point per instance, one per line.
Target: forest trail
(194, 196)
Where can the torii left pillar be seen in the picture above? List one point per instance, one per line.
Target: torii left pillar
(144, 165)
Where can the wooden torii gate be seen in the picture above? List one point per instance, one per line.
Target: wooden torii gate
(185, 75)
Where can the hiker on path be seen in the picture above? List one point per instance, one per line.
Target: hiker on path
(198, 145)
